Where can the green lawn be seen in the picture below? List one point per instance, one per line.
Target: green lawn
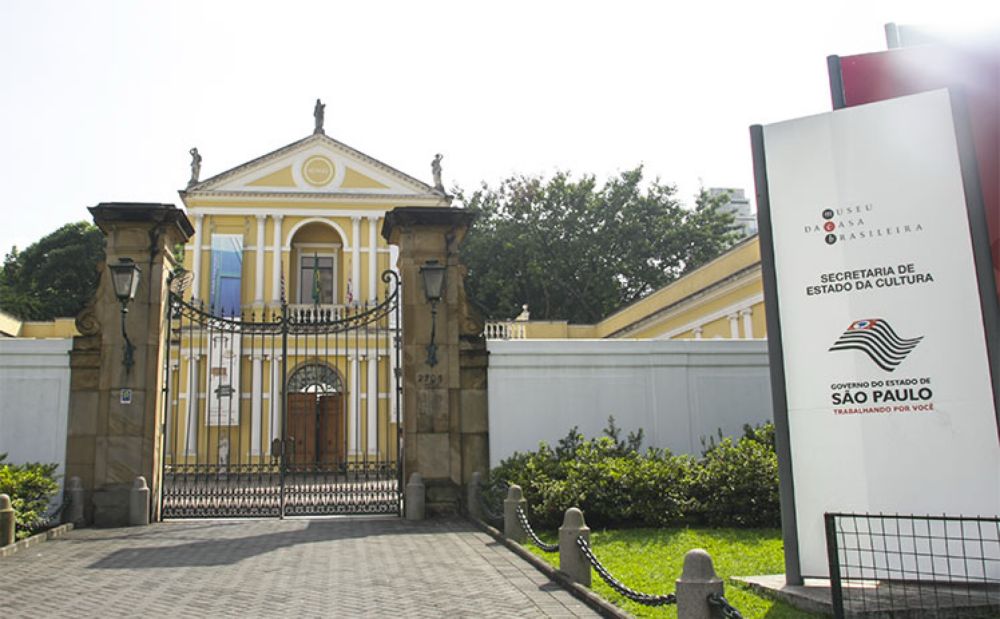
(650, 560)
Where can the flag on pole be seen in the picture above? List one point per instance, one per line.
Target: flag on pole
(317, 291)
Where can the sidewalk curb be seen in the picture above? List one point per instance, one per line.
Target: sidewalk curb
(52, 533)
(585, 595)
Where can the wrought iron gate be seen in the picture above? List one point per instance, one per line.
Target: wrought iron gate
(290, 410)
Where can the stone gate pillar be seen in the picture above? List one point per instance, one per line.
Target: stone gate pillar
(114, 432)
(444, 412)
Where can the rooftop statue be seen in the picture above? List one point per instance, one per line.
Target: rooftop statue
(318, 112)
(436, 171)
(195, 167)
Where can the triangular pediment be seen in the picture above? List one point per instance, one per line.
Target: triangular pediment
(316, 165)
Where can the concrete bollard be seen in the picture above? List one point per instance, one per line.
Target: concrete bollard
(472, 490)
(571, 559)
(512, 529)
(74, 498)
(138, 503)
(698, 580)
(416, 499)
(6, 521)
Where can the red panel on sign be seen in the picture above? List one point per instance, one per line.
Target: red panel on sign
(974, 71)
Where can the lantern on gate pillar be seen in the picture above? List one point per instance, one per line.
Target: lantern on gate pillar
(125, 280)
(432, 272)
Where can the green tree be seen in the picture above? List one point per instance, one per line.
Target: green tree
(53, 277)
(575, 251)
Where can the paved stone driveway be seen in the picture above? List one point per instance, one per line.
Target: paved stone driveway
(362, 567)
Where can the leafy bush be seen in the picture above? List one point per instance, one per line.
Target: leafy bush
(736, 483)
(29, 486)
(615, 484)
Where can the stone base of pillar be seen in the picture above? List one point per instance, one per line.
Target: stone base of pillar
(111, 505)
(75, 498)
(138, 510)
(443, 497)
(415, 498)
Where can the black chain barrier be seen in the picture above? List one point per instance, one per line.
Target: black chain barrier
(523, 518)
(642, 598)
(718, 601)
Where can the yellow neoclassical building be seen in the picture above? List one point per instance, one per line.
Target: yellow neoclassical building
(60, 328)
(283, 348)
(723, 299)
(314, 201)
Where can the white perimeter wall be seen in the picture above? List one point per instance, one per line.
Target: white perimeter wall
(34, 400)
(677, 391)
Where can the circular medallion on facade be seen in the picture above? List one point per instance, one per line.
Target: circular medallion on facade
(317, 170)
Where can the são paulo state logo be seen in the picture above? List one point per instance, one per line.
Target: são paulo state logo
(875, 338)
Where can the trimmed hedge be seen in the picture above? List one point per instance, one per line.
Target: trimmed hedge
(734, 483)
(29, 486)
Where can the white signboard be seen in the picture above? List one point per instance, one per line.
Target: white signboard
(890, 404)
(223, 379)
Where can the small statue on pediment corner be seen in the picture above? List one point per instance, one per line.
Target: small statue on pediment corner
(195, 167)
(436, 172)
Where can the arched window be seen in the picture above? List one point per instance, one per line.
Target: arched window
(316, 265)
(315, 378)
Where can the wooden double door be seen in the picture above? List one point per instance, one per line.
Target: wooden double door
(316, 429)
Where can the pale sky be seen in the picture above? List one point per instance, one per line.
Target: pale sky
(101, 100)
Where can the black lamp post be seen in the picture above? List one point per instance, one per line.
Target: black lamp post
(125, 279)
(432, 273)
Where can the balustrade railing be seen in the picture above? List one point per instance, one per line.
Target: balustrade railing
(506, 330)
(336, 312)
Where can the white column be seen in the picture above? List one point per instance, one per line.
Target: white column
(697, 333)
(275, 397)
(371, 394)
(196, 262)
(352, 406)
(747, 322)
(356, 257)
(276, 249)
(372, 259)
(734, 326)
(258, 286)
(394, 258)
(256, 404)
(191, 435)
